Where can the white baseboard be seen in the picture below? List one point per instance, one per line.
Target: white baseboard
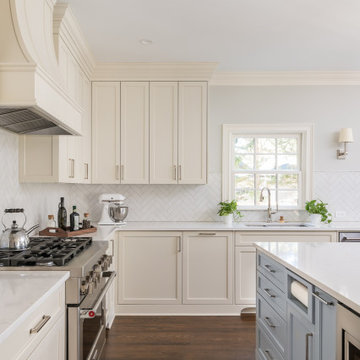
(183, 310)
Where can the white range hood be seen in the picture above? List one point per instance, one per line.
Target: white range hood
(32, 100)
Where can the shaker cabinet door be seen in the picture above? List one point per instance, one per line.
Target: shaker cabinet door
(163, 132)
(106, 132)
(192, 135)
(208, 268)
(134, 132)
(149, 268)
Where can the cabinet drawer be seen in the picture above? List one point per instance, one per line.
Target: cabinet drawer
(272, 270)
(275, 297)
(53, 306)
(272, 322)
(265, 349)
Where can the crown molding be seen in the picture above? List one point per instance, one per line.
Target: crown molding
(285, 78)
(66, 26)
(132, 71)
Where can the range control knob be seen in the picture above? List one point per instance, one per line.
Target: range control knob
(84, 287)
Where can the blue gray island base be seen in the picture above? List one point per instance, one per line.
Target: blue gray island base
(289, 328)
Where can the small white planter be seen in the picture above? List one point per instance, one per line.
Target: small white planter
(228, 219)
(315, 219)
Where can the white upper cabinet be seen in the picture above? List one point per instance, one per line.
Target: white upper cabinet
(106, 132)
(163, 132)
(134, 133)
(192, 133)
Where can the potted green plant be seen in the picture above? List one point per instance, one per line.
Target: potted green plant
(228, 209)
(318, 212)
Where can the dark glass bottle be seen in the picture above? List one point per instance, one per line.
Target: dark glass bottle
(74, 220)
(62, 215)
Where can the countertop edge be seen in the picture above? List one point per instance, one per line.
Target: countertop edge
(33, 306)
(310, 279)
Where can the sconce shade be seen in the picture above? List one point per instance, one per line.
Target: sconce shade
(346, 135)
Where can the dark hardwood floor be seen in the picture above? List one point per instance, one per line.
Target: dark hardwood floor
(181, 338)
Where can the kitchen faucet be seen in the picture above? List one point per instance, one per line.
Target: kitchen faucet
(269, 210)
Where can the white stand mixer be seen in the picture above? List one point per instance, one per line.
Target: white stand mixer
(114, 212)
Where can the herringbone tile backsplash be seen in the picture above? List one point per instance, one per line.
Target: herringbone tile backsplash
(154, 202)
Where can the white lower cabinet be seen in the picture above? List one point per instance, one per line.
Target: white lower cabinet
(41, 335)
(245, 275)
(208, 268)
(149, 268)
(53, 343)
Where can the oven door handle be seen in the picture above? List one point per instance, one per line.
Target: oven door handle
(90, 313)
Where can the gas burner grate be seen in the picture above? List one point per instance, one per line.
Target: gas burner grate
(47, 251)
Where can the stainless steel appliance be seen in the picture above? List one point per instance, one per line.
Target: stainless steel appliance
(348, 334)
(86, 288)
(349, 237)
(114, 211)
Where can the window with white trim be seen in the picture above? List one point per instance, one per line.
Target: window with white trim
(272, 156)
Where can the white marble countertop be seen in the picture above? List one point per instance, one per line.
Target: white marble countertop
(105, 231)
(21, 292)
(333, 267)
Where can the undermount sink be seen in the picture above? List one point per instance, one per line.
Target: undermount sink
(278, 225)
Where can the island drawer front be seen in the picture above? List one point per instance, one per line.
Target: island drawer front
(272, 270)
(53, 306)
(265, 349)
(274, 296)
(272, 322)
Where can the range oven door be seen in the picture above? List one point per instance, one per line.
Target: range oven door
(87, 323)
(348, 334)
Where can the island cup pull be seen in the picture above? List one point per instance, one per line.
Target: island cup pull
(40, 325)
(307, 345)
(317, 296)
(207, 234)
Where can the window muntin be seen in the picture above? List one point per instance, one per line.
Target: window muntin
(263, 160)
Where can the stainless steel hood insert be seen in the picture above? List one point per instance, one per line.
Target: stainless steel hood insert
(28, 121)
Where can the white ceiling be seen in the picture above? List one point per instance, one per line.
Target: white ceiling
(241, 35)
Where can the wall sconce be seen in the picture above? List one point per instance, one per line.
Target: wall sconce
(345, 136)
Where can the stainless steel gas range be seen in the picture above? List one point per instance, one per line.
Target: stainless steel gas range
(86, 288)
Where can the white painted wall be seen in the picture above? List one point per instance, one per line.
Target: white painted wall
(328, 107)
(336, 182)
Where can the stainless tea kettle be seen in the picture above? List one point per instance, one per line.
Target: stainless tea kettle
(15, 238)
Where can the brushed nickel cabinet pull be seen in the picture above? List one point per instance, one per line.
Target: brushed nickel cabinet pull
(175, 172)
(317, 296)
(307, 345)
(179, 245)
(86, 165)
(71, 168)
(267, 292)
(40, 325)
(179, 172)
(117, 172)
(269, 323)
(122, 172)
(269, 269)
(207, 234)
(268, 355)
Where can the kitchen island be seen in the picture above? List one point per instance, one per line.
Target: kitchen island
(32, 307)
(304, 292)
